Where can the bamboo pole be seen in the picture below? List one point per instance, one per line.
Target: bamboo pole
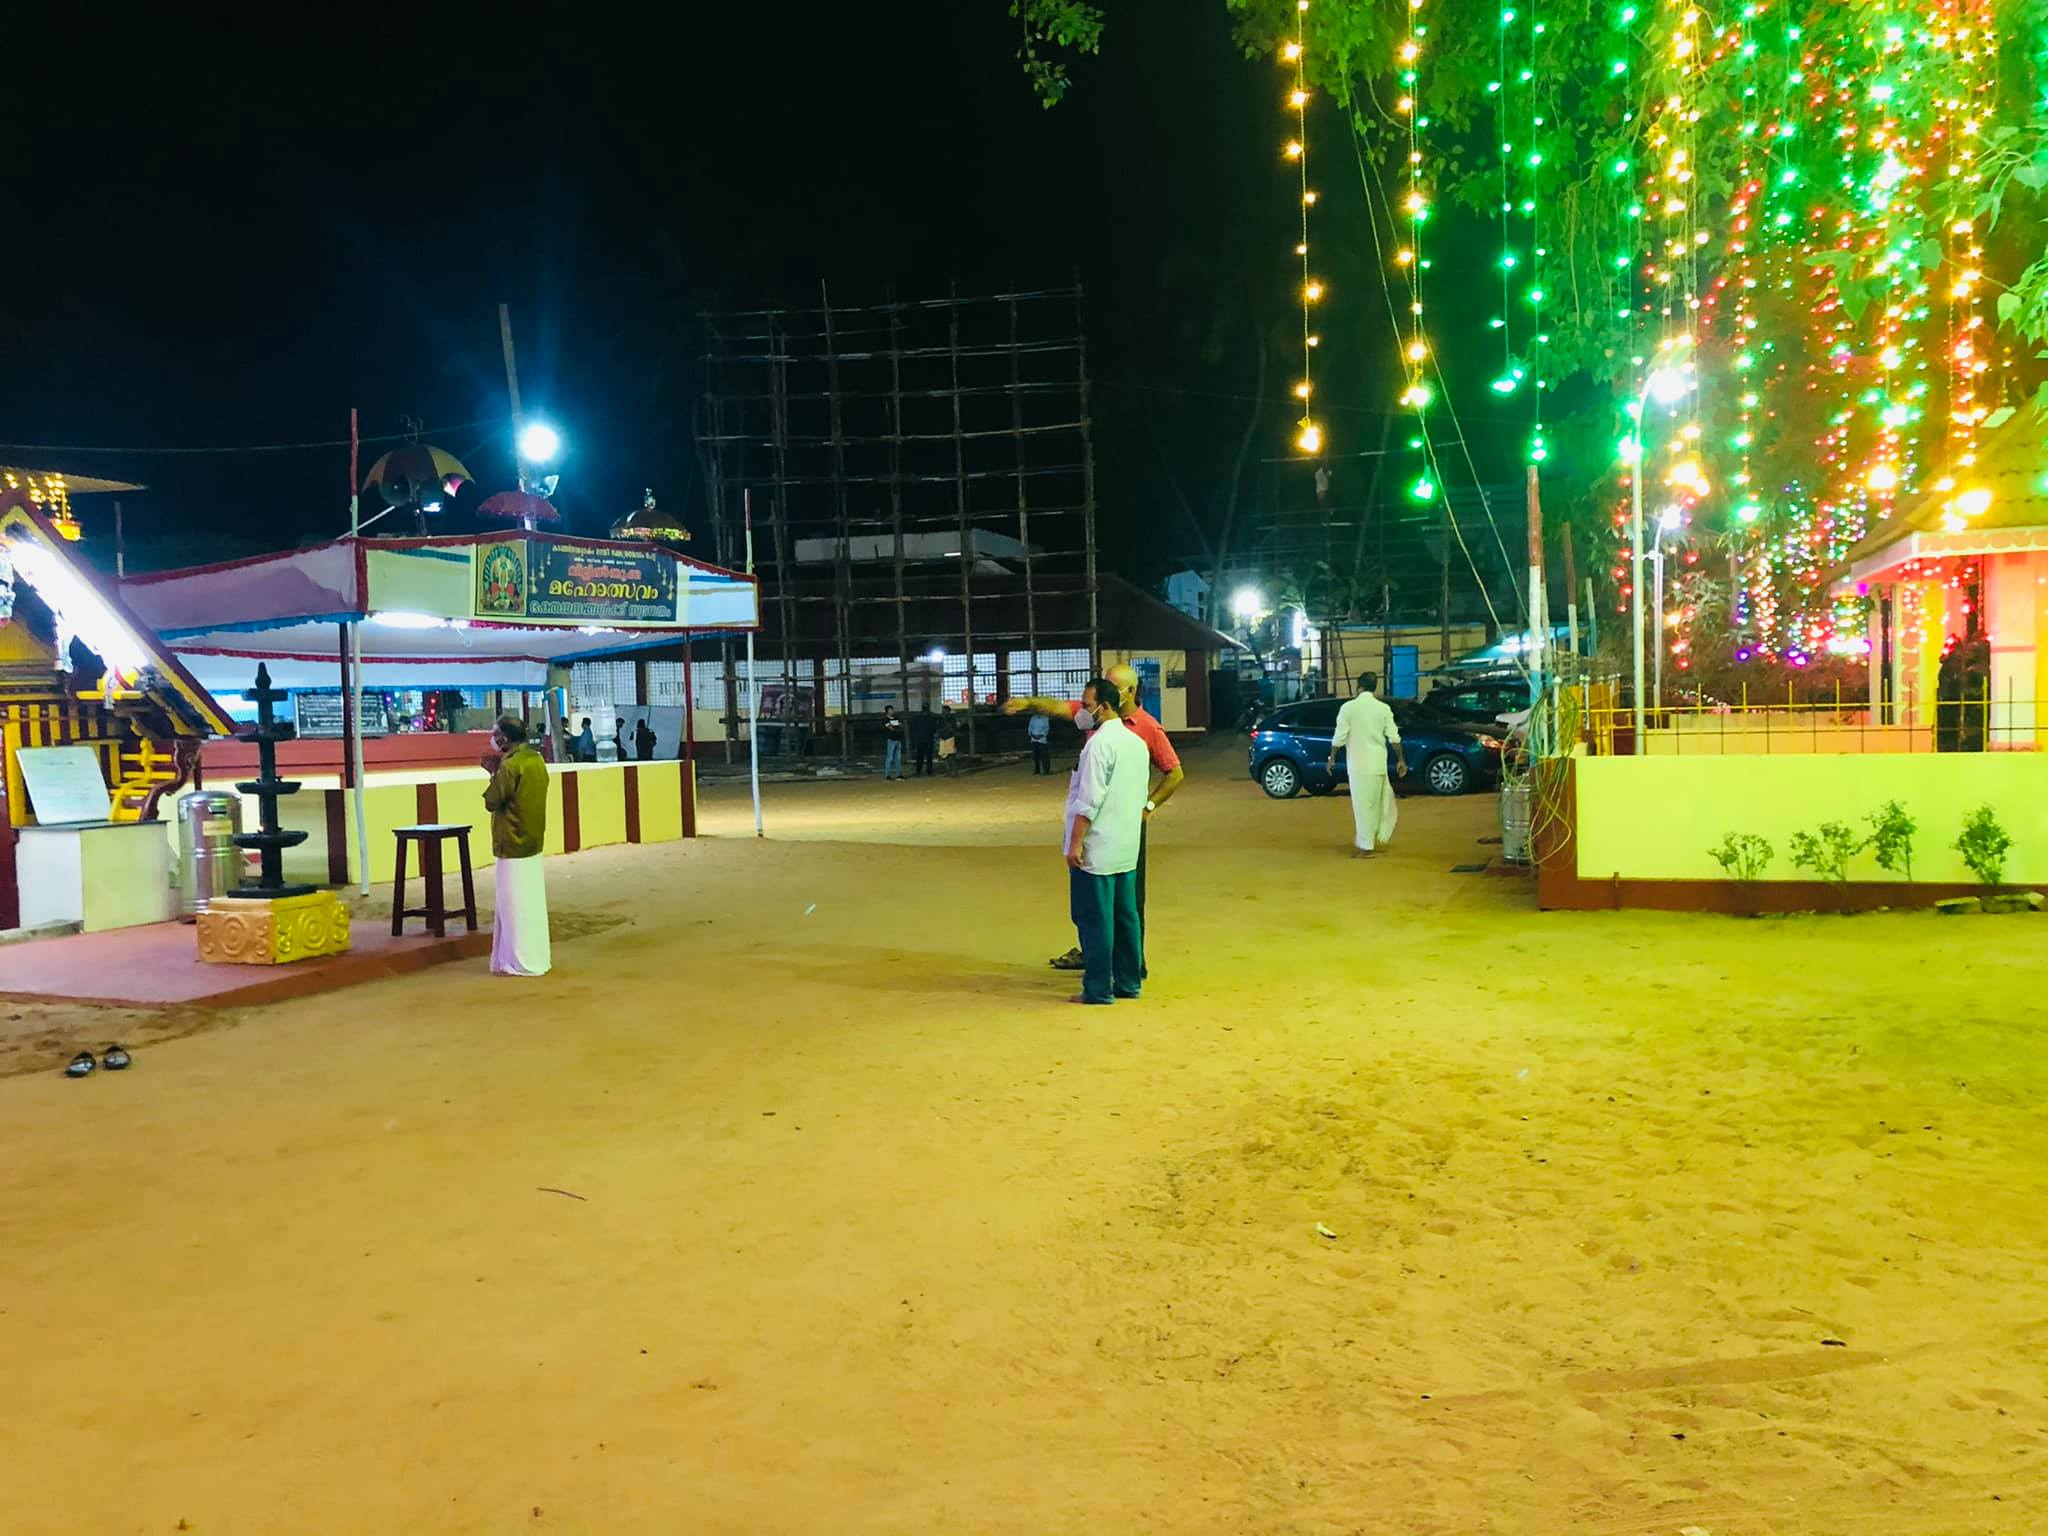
(966, 551)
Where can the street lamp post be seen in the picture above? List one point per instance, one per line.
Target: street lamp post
(1666, 384)
(1635, 602)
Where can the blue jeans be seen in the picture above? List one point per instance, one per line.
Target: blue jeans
(1105, 912)
(892, 759)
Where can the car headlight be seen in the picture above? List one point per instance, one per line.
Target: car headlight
(1491, 743)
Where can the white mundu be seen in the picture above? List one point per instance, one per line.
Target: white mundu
(519, 923)
(1365, 730)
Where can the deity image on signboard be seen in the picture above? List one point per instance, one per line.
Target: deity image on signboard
(501, 581)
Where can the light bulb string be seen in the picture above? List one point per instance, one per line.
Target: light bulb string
(1537, 293)
(1507, 239)
(1308, 435)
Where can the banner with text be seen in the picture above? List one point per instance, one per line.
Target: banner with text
(573, 584)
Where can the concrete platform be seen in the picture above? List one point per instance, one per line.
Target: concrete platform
(158, 966)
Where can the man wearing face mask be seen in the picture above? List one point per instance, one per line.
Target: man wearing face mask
(1166, 776)
(1105, 814)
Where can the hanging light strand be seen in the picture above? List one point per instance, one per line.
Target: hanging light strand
(1417, 393)
(1308, 437)
(1510, 377)
(1532, 204)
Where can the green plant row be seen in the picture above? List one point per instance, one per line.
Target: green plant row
(1826, 851)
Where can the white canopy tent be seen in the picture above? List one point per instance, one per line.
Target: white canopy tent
(484, 611)
(480, 611)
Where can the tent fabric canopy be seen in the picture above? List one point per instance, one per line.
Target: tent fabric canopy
(438, 612)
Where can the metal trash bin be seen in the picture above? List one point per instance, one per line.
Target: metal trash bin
(209, 863)
(1514, 822)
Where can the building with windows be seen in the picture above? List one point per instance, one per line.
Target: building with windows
(838, 701)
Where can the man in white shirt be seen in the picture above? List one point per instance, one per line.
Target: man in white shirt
(1104, 821)
(1365, 732)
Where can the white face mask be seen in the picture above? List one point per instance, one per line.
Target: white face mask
(1085, 719)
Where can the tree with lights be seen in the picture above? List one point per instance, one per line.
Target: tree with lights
(1825, 220)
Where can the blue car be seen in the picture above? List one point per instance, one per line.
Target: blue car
(1291, 752)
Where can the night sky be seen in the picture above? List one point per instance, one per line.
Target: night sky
(229, 240)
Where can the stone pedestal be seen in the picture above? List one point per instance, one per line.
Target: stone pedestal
(237, 930)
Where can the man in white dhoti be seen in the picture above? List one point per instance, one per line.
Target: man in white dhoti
(518, 802)
(1365, 733)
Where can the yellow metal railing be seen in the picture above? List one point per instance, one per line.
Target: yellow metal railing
(1839, 723)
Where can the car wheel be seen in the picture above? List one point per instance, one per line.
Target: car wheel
(1446, 774)
(1280, 778)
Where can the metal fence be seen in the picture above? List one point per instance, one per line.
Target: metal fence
(1839, 724)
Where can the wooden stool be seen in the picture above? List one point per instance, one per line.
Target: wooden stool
(430, 838)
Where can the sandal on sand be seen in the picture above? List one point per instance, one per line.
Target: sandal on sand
(116, 1059)
(1070, 961)
(82, 1065)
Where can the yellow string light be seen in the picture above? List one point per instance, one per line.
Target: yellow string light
(1416, 394)
(1308, 436)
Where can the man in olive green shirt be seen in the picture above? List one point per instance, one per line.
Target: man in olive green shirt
(518, 802)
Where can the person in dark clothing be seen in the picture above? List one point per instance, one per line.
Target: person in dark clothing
(619, 752)
(586, 743)
(949, 745)
(643, 741)
(892, 743)
(1040, 732)
(924, 735)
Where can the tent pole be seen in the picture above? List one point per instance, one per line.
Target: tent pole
(355, 646)
(352, 716)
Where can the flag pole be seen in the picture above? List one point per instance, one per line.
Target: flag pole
(753, 686)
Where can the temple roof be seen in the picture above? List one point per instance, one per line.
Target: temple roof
(2012, 464)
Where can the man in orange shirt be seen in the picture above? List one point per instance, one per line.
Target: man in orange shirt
(1167, 775)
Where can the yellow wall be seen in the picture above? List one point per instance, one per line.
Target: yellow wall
(1353, 651)
(600, 808)
(391, 801)
(1732, 735)
(1173, 702)
(661, 801)
(1654, 818)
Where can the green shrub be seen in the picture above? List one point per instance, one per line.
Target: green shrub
(1984, 844)
(1891, 838)
(1826, 851)
(1742, 856)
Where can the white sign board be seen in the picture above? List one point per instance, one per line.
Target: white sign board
(65, 785)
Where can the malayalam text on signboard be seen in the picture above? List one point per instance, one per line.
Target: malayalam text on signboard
(319, 713)
(572, 583)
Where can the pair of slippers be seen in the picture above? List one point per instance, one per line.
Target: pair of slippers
(84, 1064)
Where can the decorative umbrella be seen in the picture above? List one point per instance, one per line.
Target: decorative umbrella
(651, 524)
(418, 476)
(522, 507)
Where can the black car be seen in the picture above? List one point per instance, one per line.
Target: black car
(1479, 701)
(1291, 752)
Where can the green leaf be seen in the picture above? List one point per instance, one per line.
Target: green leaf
(2008, 306)
(2033, 177)
(1928, 254)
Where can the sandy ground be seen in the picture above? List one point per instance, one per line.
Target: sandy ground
(801, 1202)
